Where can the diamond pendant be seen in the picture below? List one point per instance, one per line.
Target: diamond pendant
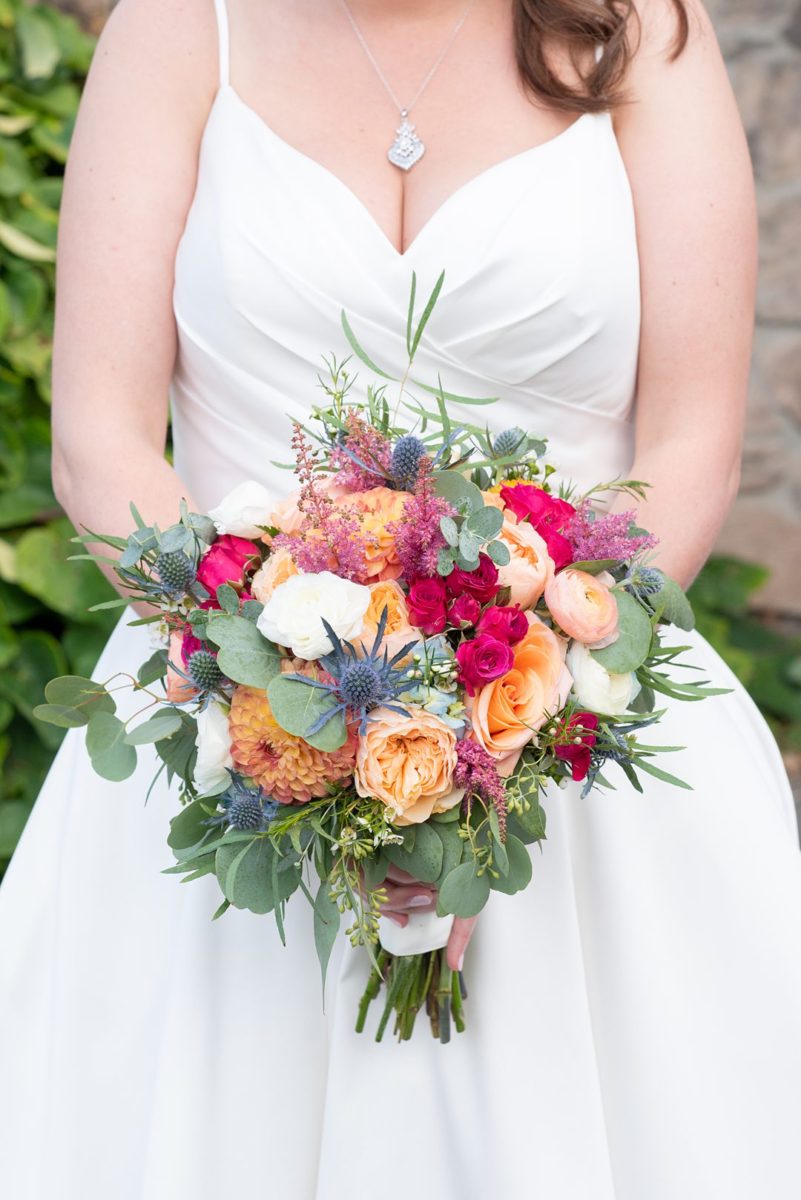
(407, 149)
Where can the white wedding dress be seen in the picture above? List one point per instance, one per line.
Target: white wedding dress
(634, 1017)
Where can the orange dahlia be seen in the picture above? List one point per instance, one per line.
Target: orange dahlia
(288, 768)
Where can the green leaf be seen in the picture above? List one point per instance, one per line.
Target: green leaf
(248, 881)
(161, 725)
(375, 870)
(634, 637)
(179, 751)
(451, 847)
(155, 668)
(23, 246)
(424, 860)
(642, 764)
(297, 706)
(360, 352)
(450, 531)
(499, 553)
(111, 757)
(187, 828)
(463, 892)
(486, 523)
(454, 488)
(594, 566)
(674, 605)
(427, 311)
(530, 825)
(519, 874)
(85, 696)
(245, 656)
(38, 45)
(326, 926)
(227, 598)
(60, 715)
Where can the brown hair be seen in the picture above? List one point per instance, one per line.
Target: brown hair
(578, 26)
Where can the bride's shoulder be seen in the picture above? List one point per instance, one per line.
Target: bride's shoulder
(159, 53)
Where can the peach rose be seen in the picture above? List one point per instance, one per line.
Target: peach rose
(583, 606)
(178, 688)
(287, 517)
(378, 508)
(407, 763)
(279, 567)
(506, 713)
(530, 567)
(399, 630)
(493, 500)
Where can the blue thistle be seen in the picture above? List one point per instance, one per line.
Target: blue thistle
(360, 681)
(203, 670)
(508, 442)
(244, 808)
(405, 463)
(645, 581)
(175, 571)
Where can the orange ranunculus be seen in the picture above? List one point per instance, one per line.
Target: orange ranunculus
(279, 567)
(378, 508)
(399, 630)
(530, 567)
(583, 606)
(506, 713)
(407, 762)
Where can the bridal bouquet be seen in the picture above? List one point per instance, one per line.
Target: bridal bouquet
(387, 668)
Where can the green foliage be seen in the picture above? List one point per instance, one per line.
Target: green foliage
(764, 655)
(45, 629)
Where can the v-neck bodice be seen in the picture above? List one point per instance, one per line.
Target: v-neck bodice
(540, 305)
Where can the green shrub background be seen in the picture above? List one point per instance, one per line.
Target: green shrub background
(45, 628)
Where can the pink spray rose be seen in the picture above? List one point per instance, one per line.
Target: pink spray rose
(483, 660)
(464, 610)
(504, 622)
(427, 604)
(549, 515)
(481, 583)
(226, 562)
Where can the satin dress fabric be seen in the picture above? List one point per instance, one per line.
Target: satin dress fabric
(634, 1017)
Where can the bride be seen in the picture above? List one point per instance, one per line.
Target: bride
(240, 172)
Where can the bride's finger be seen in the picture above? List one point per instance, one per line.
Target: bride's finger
(458, 941)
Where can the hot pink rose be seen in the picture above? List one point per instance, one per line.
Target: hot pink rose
(464, 610)
(226, 562)
(427, 604)
(504, 622)
(482, 660)
(549, 515)
(481, 583)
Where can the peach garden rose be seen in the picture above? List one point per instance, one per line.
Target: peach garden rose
(407, 762)
(583, 606)
(530, 567)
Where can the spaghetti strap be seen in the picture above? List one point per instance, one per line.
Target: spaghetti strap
(222, 39)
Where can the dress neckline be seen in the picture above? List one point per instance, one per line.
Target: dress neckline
(499, 168)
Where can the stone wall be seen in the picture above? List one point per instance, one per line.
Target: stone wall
(761, 40)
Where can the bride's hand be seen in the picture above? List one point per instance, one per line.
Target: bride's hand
(406, 894)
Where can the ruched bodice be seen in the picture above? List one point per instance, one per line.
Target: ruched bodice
(540, 305)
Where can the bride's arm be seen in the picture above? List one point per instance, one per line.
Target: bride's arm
(687, 158)
(128, 184)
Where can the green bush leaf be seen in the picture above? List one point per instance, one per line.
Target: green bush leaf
(424, 860)
(499, 553)
(245, 656)
(463, 892)
(60, 715)
(70, 588)
(187, 828)
(85, 696)
(297, 706)
(674, 605)
(249, 879)
(486, 523)
(457, 490)
(634, 639)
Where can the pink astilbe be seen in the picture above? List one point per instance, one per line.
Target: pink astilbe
(331, 538)
(477, 773)
(370, 447)
(418, 537)
(606, 535)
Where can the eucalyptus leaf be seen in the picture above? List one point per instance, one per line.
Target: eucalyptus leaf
(245, 656)
(161, 725)
(424, 861)
(248, 882)
(519, 872)
(111, 756)
(633, 643)
(450, 531)
(674, 605)
(297, 706)
(61, 716)
(454, 488)
(187, 828)
(227, 598)
(499, 553)
(463, 892)
(486, 523)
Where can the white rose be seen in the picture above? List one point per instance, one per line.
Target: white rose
(598, 689)
(213, 748)
(243, 510)
(292, 615)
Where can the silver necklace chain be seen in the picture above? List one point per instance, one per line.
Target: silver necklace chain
(407, 149)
